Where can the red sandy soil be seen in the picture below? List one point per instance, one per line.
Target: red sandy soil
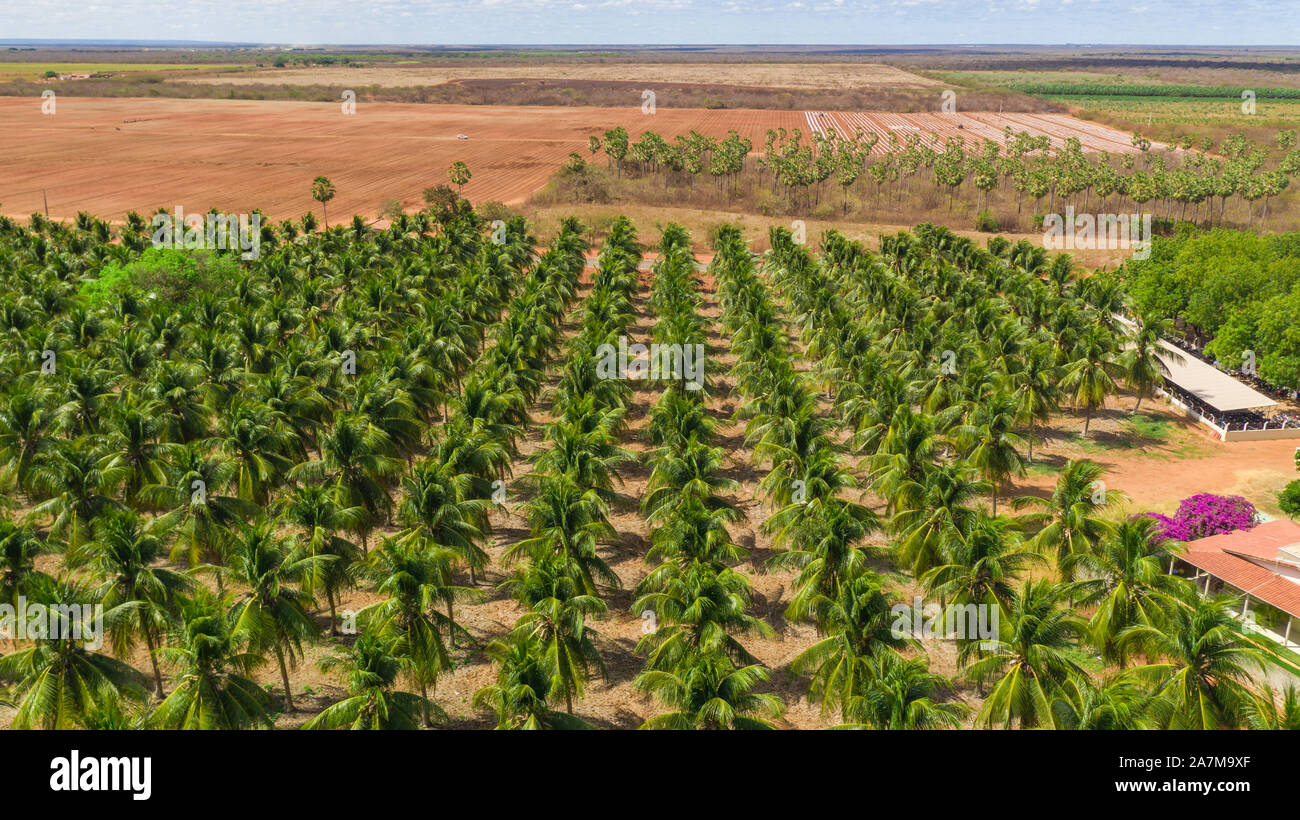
(1156, 473)
(110, 156)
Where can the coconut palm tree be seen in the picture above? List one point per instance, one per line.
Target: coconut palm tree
(710, 692)
(61, 680)
(557, 616)
(522, 690)
(440, 509)
(259, 444)
(1265, 712)
(698, 608)
(1118, 701)
(1072, 520)
(1089, 377)
(1205, 664)
(1144, 362)
(316, 514)
(139, 598)
(935, 516)
(273, 614)
(213, 663)
(988, 443)
(1028, 664)
(858, 625)
(1036, 392)
(1127, 579)
(821, 539)
(566, 519)
(199, 515)
(356, 462)
(19, 547)
(902, 693)
(984, 563)
(77, 490)
(416, 580)
(371, 668)
(135, 450)
(25, 422)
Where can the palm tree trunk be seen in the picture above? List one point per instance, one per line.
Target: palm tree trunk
(284, 676)
(157, 676)
(451, 623)
(329, 595)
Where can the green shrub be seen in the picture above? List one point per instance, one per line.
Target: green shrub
(493, 210)
(173, 277)
(986, 222)
(1289, 498)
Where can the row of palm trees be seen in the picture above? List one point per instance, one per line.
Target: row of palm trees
(560, 579)
(694, 596)
(800, 165)
(854, 668)
(448, 496)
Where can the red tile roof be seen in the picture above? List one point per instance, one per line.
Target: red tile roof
(1226, 558)
(1282, 594)
(1263, 541)
(1236, 571)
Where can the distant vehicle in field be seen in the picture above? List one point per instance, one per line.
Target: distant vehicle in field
(462, 136)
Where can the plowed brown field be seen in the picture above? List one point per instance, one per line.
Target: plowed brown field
(109, 156)
(758, 75)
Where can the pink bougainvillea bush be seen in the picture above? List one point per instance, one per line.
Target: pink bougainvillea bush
(1206, 514)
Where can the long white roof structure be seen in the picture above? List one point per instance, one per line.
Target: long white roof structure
(1209, 384)
(1206, 382)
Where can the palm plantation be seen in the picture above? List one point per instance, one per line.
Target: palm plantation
(338, 457)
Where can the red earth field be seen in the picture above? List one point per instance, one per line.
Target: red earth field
(110, 156)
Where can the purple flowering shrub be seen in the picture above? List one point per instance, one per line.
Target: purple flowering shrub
(1206, 514)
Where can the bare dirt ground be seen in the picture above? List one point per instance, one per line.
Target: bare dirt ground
(1157, 466)
(766, 75)
(110, 156)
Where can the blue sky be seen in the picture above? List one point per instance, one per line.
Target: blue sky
(1192, 22)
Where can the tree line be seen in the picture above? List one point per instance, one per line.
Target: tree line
(801, 170)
